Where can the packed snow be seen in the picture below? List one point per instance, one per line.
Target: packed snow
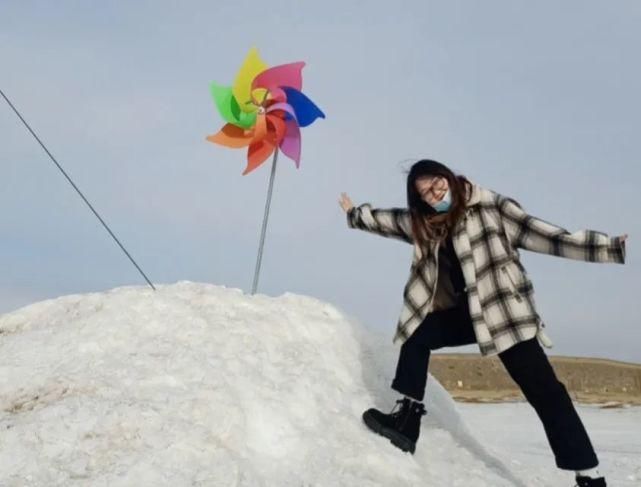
(515, 428)
(204, 385)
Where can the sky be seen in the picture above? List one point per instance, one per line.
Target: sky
(537, 101)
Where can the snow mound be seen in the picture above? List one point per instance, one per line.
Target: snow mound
(203, 385)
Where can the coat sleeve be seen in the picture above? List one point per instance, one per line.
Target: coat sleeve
(393, 222)
(532, 233)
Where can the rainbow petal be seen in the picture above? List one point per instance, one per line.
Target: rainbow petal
(260, 130)
(282, 75)
(258, 153)
(260, 96)
(290, 145)
(277, 95)
(232, 136)
(306, 110)
(228, 107)
(277, 127)
(285, 107)
(252, 67)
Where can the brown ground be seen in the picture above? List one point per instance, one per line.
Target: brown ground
(472, 378)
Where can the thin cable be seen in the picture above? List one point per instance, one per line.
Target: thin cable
(77, 190)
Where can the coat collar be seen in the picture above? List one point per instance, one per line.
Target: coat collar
(474, 194)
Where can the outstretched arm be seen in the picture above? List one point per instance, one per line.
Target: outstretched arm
(532, 233)
(393, 222)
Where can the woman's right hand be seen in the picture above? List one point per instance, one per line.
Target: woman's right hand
(345, 202)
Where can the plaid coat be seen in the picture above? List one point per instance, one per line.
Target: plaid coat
(486, 240)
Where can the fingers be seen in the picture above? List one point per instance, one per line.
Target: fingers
(341, 201)
(345, 202)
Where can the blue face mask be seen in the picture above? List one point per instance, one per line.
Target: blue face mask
(445, 202)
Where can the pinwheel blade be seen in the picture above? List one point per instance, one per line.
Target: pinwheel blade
(228, 107)
(231, 136)
(280, 76)
(290, 145)
(284, 107)
(257, 153)
(260, 130)
(252, 67)
(306, 110)
(277, 127)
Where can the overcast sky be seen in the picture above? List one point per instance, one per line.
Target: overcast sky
(536, 100)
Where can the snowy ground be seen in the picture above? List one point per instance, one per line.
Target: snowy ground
(202, 385)
(615, 434)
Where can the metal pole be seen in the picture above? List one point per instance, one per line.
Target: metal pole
(77, 190)
(262, 235)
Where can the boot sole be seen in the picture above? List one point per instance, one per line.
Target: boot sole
(394, 436)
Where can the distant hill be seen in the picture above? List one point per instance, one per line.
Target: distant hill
(471, 377)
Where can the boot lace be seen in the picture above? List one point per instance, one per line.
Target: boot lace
(405, 411)
(398, 413)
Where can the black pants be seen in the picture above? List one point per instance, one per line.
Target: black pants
(526, 363)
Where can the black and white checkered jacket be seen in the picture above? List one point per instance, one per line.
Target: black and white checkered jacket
(486, 240)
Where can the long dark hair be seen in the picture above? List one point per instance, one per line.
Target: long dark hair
(428, 224)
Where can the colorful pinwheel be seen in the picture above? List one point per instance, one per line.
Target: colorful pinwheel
(264, 110)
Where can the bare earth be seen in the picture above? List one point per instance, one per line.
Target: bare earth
(473, 378)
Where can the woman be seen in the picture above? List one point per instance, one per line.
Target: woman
(467, 285)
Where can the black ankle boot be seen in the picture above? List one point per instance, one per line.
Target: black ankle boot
(590, 482)
(402, 427)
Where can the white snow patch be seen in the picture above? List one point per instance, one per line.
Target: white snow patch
(203, 385)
